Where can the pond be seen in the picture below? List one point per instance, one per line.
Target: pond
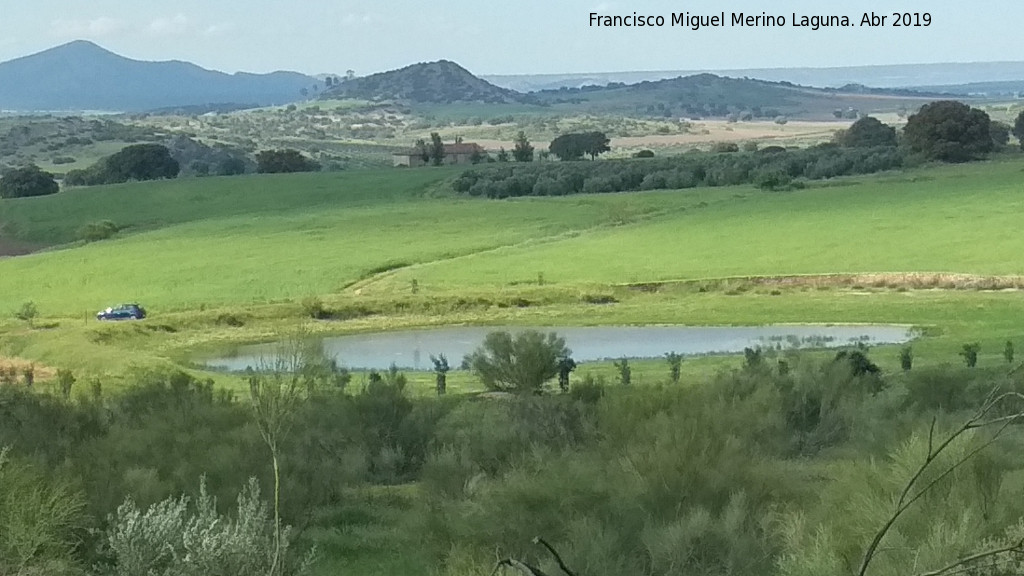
(411, 349)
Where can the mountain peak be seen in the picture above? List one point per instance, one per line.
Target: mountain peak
(82, 75)
(440, 81)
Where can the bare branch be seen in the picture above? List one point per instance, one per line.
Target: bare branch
(558, 557)
(520, 566)
(1018, 547)
(979, 420)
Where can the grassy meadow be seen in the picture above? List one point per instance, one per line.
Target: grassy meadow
(254, 248)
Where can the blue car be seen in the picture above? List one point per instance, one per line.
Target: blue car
(122, 312)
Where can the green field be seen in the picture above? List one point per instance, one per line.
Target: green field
(256, 246)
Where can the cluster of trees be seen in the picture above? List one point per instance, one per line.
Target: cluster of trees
(944, 131)
(769, 168)
(134, 162)
(751, 473)
(27, 181)
(283, 161)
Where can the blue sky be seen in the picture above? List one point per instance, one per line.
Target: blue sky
(503, 37)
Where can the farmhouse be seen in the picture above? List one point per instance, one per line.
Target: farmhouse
(461, 153)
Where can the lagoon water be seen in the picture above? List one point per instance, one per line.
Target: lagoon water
(411, 349)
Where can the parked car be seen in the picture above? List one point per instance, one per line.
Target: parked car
(122, 312)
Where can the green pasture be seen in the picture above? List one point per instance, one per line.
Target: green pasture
(220, 261)
(961, 219)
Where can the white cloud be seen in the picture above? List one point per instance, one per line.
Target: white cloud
(102, 26)
(219, 29)
(178, 24)
(353, 19)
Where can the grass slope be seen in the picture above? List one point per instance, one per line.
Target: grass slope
(950, 219)
(254, 247)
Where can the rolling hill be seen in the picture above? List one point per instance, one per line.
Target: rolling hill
(83, 76)
(438, 82)
(708, 95)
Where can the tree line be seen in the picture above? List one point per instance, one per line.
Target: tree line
(944, 131)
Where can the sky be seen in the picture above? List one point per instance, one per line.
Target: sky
(505, 36)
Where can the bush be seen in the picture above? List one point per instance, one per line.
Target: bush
(284, 161)
(96, 231)
(27, 313)
(520, 363)
(970, 354)
(178, 537)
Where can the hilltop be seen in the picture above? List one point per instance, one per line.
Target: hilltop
(709, 95)
(438, 82)
(83, 76)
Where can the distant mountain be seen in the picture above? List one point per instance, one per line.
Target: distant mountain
(83, 76)
(932, 76)
(431, 82)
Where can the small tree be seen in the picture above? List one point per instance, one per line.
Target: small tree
(970, 354)
(523, 151)
(502, 155)
(565, 366)
(27, 313)
(1008, 352)
(65, 380)
(275, 397)
(625, 372)
(675, 362)
(441, 369)
(520, 363)
(906, 358)
(436, 149)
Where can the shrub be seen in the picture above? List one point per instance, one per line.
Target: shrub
(96, 231)
(27, 313)
(284, 161)
(65, 380)
(970, 354)
(625, 372)
(520, 363)
(906, 358)
(179, 537)
(314, 308)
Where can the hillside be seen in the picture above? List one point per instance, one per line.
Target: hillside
(438, 82)
(705, 95)
(83, 76)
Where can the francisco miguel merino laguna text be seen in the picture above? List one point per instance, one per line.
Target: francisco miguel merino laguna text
(762, 20)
